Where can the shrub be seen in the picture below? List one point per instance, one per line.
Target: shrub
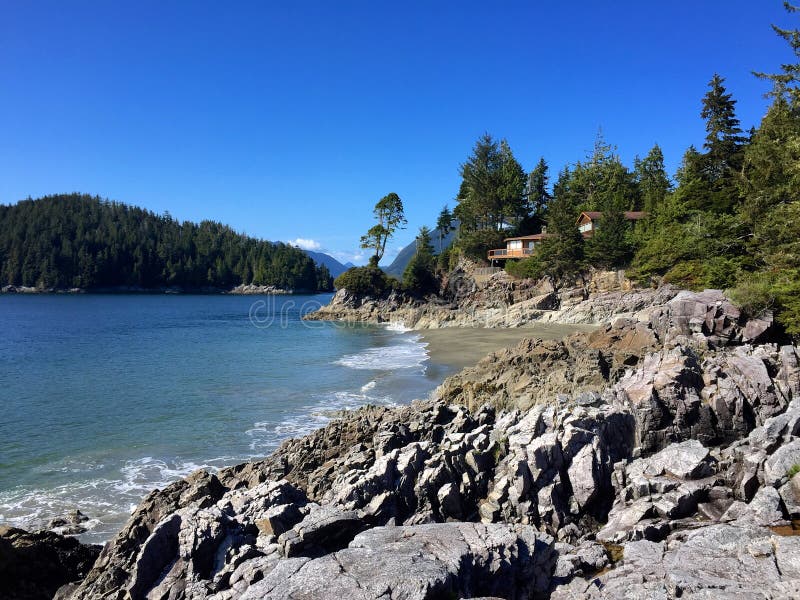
(419, 278)
(476, 244)
(753, 294)
(443, 260)
(365, 281)
(689, 274)
(527, 268)
(721, 272)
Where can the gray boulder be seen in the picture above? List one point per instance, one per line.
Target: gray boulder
(449, 560)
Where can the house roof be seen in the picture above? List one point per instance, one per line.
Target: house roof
(631, 215)
(535, 236)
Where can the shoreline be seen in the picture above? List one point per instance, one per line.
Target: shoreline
(552, 426)
(462, 347)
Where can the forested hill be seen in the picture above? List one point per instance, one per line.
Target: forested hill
(68, 241)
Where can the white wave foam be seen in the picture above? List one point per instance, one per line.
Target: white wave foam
(397, 326)
(268, 435)
(368, 386)
(108, 501)
(410, 353)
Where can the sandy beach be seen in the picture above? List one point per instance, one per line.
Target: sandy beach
(461, 347)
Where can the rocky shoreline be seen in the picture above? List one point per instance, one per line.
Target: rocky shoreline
(499, 301)
(655, 457)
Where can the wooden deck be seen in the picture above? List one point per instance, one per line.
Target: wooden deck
(504, 253)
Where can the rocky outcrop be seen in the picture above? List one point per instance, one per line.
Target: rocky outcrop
(257, 290)
(499, 301)
(707, 317)
(649, 457)
(34, 565)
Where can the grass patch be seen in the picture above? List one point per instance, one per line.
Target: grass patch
(615, 552)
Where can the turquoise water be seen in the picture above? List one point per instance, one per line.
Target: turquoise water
(106, 397)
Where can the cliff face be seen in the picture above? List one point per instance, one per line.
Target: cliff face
(646, 459)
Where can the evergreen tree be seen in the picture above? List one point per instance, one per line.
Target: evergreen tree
(770, 173)
(652, 180)
(390, 216)
(444, 225)
(610, 246)
(479, 195)
(712, 176)
(786, 84)
(772, 160)
(492, 187)
(511, 182)
(600, 177)
(419, 276)
(562, 254)
(538, 196)
(723, 133)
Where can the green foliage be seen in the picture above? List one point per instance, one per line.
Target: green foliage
(611, 245)
(475, 244)
(786, 84)
(531, 267)
(563, 254)
(444, 225)
(772, 162)
(601, 177)
(695, 250)
(723, 134)
(389, 213)
(81, 241)
(709, 181)
(652, 180)
(365, 281)
(492, 187)
(687, 274)
(776, 246)
(447, 260)
(500, 449)
(538, 196)
(793, 470)
(419, 278)
(754, 293)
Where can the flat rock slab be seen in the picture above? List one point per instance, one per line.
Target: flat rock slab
(443, 560)
(718, 561)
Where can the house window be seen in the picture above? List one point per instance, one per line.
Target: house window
(585, 227)
(515, 245)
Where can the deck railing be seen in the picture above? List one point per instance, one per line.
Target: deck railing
(510, 253)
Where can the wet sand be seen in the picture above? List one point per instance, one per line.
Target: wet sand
(460, 347)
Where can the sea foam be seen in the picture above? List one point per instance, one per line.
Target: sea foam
(410, 352)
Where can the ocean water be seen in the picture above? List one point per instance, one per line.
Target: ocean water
(106, 397)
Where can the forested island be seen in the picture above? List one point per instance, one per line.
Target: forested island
(79, 241)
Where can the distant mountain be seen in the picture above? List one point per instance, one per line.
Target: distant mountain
(334, 266)
(406, 254)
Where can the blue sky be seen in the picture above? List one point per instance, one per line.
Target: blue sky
(290, 120)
